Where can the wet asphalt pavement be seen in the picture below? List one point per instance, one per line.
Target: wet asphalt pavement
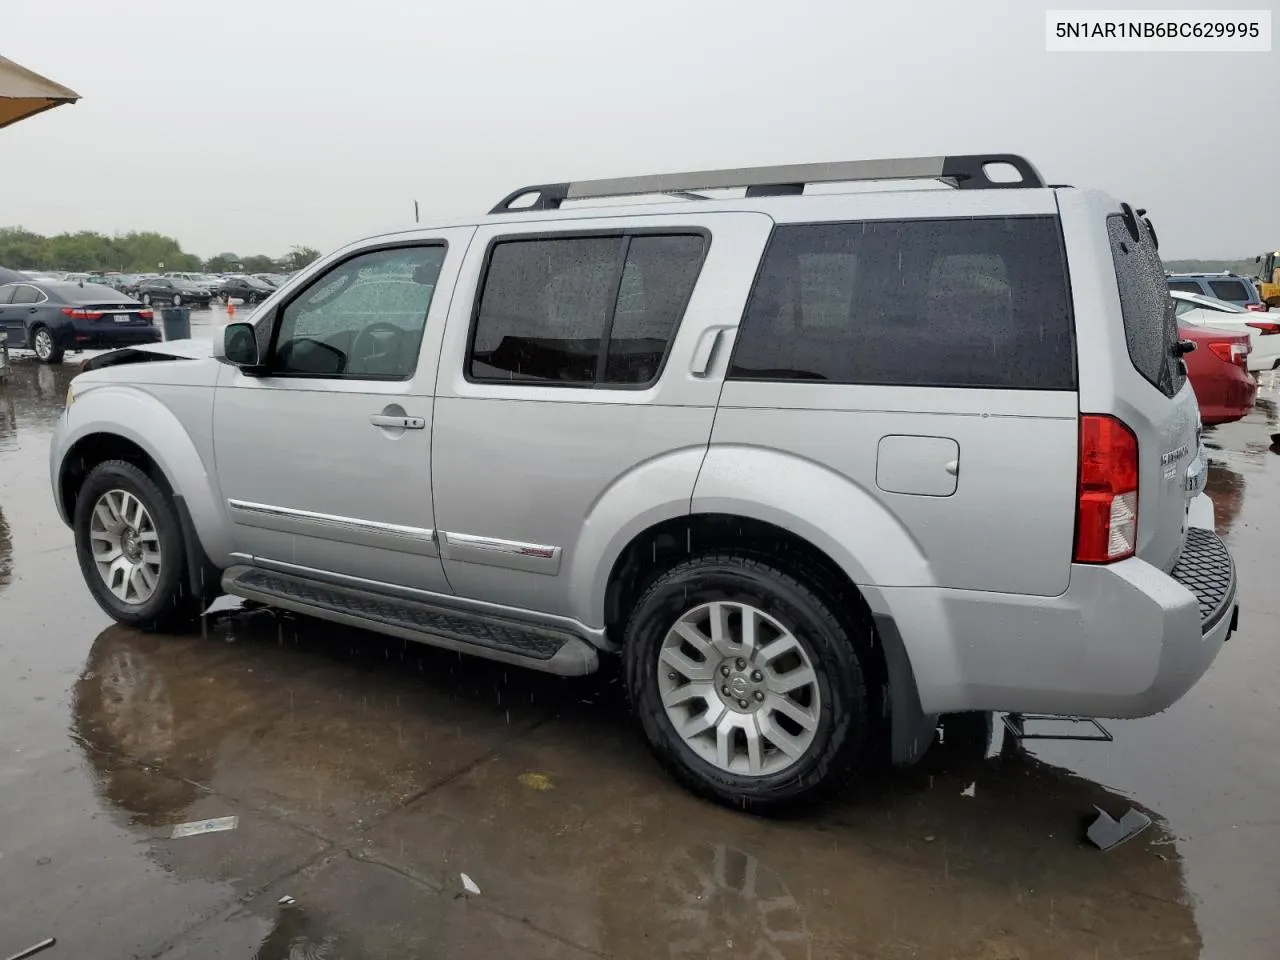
(369, 774)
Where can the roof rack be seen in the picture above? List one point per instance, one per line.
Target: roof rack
(966, 172)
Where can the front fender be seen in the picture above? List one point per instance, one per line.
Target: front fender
(826, 508)
(125, 411)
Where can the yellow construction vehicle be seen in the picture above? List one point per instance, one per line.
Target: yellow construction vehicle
(1268, 278)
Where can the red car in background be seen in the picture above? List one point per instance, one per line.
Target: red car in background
(1219, 372)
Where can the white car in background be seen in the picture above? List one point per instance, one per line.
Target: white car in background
(1263, 329)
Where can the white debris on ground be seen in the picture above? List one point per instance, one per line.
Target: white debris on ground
(195, 828)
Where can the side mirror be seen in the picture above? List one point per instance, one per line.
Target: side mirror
(238, 346)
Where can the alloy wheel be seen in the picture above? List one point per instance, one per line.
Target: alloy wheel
(44, 344)
(739, 688)
(125, 546)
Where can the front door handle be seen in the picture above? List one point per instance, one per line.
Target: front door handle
(401, 423)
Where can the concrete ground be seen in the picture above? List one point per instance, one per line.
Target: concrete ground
(368, 775)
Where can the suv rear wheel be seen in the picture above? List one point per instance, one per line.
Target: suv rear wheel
(751, 691)
(130, 548)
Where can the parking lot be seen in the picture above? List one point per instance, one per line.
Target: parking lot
(369, 775)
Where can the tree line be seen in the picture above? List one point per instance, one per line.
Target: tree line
(135, 252)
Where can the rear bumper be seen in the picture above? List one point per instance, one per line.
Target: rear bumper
(108, 337)
(1124, 640)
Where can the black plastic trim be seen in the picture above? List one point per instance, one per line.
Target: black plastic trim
(550, 196)
(969, 171)
(201, 572)
(911, 730)
(1207, 569)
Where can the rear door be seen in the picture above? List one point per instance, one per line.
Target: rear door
(21, 312)
(9, 321)
(575, 360)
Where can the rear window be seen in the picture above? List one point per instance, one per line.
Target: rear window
(1232, 290)
(979, 302)
(1150, 324)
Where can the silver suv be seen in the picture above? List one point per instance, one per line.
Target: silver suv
(818, 467)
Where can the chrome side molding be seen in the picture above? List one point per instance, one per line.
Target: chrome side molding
(327, 526)
(491, 551)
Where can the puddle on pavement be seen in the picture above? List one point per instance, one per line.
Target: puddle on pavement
(276, 712)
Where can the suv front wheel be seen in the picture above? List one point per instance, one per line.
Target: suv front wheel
(130, 548)
(750, 689)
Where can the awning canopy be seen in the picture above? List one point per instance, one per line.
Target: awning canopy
(24, 94)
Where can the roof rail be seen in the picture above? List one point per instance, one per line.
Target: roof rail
(965, 172)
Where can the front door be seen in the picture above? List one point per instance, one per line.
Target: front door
(324, 463)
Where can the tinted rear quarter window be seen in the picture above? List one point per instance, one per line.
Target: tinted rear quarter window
(1233, 291)
(1150, 324)
(979, 302)
(1185, 286)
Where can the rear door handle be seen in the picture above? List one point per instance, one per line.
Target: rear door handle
(403, 423)
(705, 351)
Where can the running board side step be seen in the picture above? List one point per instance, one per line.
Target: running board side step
(508, 641)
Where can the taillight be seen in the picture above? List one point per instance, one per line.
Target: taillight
(76, 313)
(1265, 327)
(1231, 352)
(146, 315)
(1107, 491)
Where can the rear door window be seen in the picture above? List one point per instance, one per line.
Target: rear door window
(1150, 325)
(1185, 286)
(582, 311)
(978, 302)
(1233, 291)
(27, 294)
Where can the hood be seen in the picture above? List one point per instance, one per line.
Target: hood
(142, 353)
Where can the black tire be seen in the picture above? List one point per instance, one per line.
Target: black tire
(45, 345)
(839, 649)
(251, 298)
(171, 606)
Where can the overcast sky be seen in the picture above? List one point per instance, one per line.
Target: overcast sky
(252, 126)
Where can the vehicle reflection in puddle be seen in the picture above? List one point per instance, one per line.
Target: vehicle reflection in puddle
(6, 552)
(723, 902)
(408, 763)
